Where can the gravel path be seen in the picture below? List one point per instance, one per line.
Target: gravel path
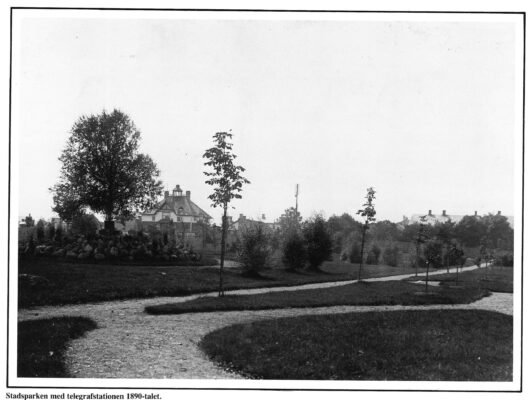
(132, 344)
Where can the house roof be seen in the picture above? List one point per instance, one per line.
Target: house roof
(175, 203)
(432, 219)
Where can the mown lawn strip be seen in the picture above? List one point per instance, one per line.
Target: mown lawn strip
(494, 279)
(371, 293)
(432, 345)
(42, 343)
(48, 282)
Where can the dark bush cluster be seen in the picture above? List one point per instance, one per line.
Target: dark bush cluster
(294, 252)
(506, 260)
(312, 245)
(255, 250)
(390, 255)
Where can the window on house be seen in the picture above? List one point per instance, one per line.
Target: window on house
(153, 218)
(165, 215)
(179, 219)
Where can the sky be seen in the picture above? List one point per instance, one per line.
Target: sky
(422, 110)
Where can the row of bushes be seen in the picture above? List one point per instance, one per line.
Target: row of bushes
(389, 256)
(308, 246)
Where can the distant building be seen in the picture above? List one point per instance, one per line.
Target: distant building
(57, 223)
(432, 219)
(243, 223)
(176, 213)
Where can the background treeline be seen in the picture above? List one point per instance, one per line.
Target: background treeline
(296, 243)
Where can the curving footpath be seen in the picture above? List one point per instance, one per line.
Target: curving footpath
(132, 344)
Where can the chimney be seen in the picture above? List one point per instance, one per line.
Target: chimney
(188, 194)
(476, 214)
(263, 217)
(241, 217)
(444, 213)
(498, 212)
(166, 193)
(430, 212)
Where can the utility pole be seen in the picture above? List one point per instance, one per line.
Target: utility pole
(296, 206)
(296, 197)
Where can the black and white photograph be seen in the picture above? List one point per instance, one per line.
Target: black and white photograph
(269, 199)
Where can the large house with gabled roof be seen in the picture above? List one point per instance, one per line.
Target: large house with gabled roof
(176, 210)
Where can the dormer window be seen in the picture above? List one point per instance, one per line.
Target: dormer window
(180, 211)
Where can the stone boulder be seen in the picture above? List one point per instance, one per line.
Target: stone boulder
(59, 253)
(71, 254)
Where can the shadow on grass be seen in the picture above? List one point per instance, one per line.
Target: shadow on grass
(42, 343)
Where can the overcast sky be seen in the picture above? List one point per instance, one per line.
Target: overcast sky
(423, 111)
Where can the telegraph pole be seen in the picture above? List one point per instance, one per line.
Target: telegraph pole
(296, 196)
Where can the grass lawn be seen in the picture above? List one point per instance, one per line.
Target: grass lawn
(435, 345)
(495, 279)
(42, 342)
(67, 283)
(365, 293)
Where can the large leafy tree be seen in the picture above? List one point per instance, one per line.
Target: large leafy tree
(445, 232)
(226, 179)
(368, 214)
(103, 171)
(499, 231)
(289, 222)
(470, 230)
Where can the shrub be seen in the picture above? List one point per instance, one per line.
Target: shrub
(40, 231)
(51, 232)
(373, 255)
(506, 260)
(294, 252)
(390, 255)
(318, 242)
(255, 250)
(355, 254)
(58, 234)
(85, 224)
(433, 253)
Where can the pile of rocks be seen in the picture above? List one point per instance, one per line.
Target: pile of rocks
(114, 247)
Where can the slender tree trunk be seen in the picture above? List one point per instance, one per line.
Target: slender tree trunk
(361, 253)
(447, 258)
(222, 252)
(427, 277)
(417, 259)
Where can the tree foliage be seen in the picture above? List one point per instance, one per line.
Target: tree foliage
(103, 171)
(318, 242)
(470, 230)
(225, 177)
(374, 255)
(390, 255)
(355, 253)
(227, 181)
(255, 250)
(29, 221)
(433, 252)
(85, 224)
(368, 214)
(289, 222)
(40, 230)
(294, 252)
